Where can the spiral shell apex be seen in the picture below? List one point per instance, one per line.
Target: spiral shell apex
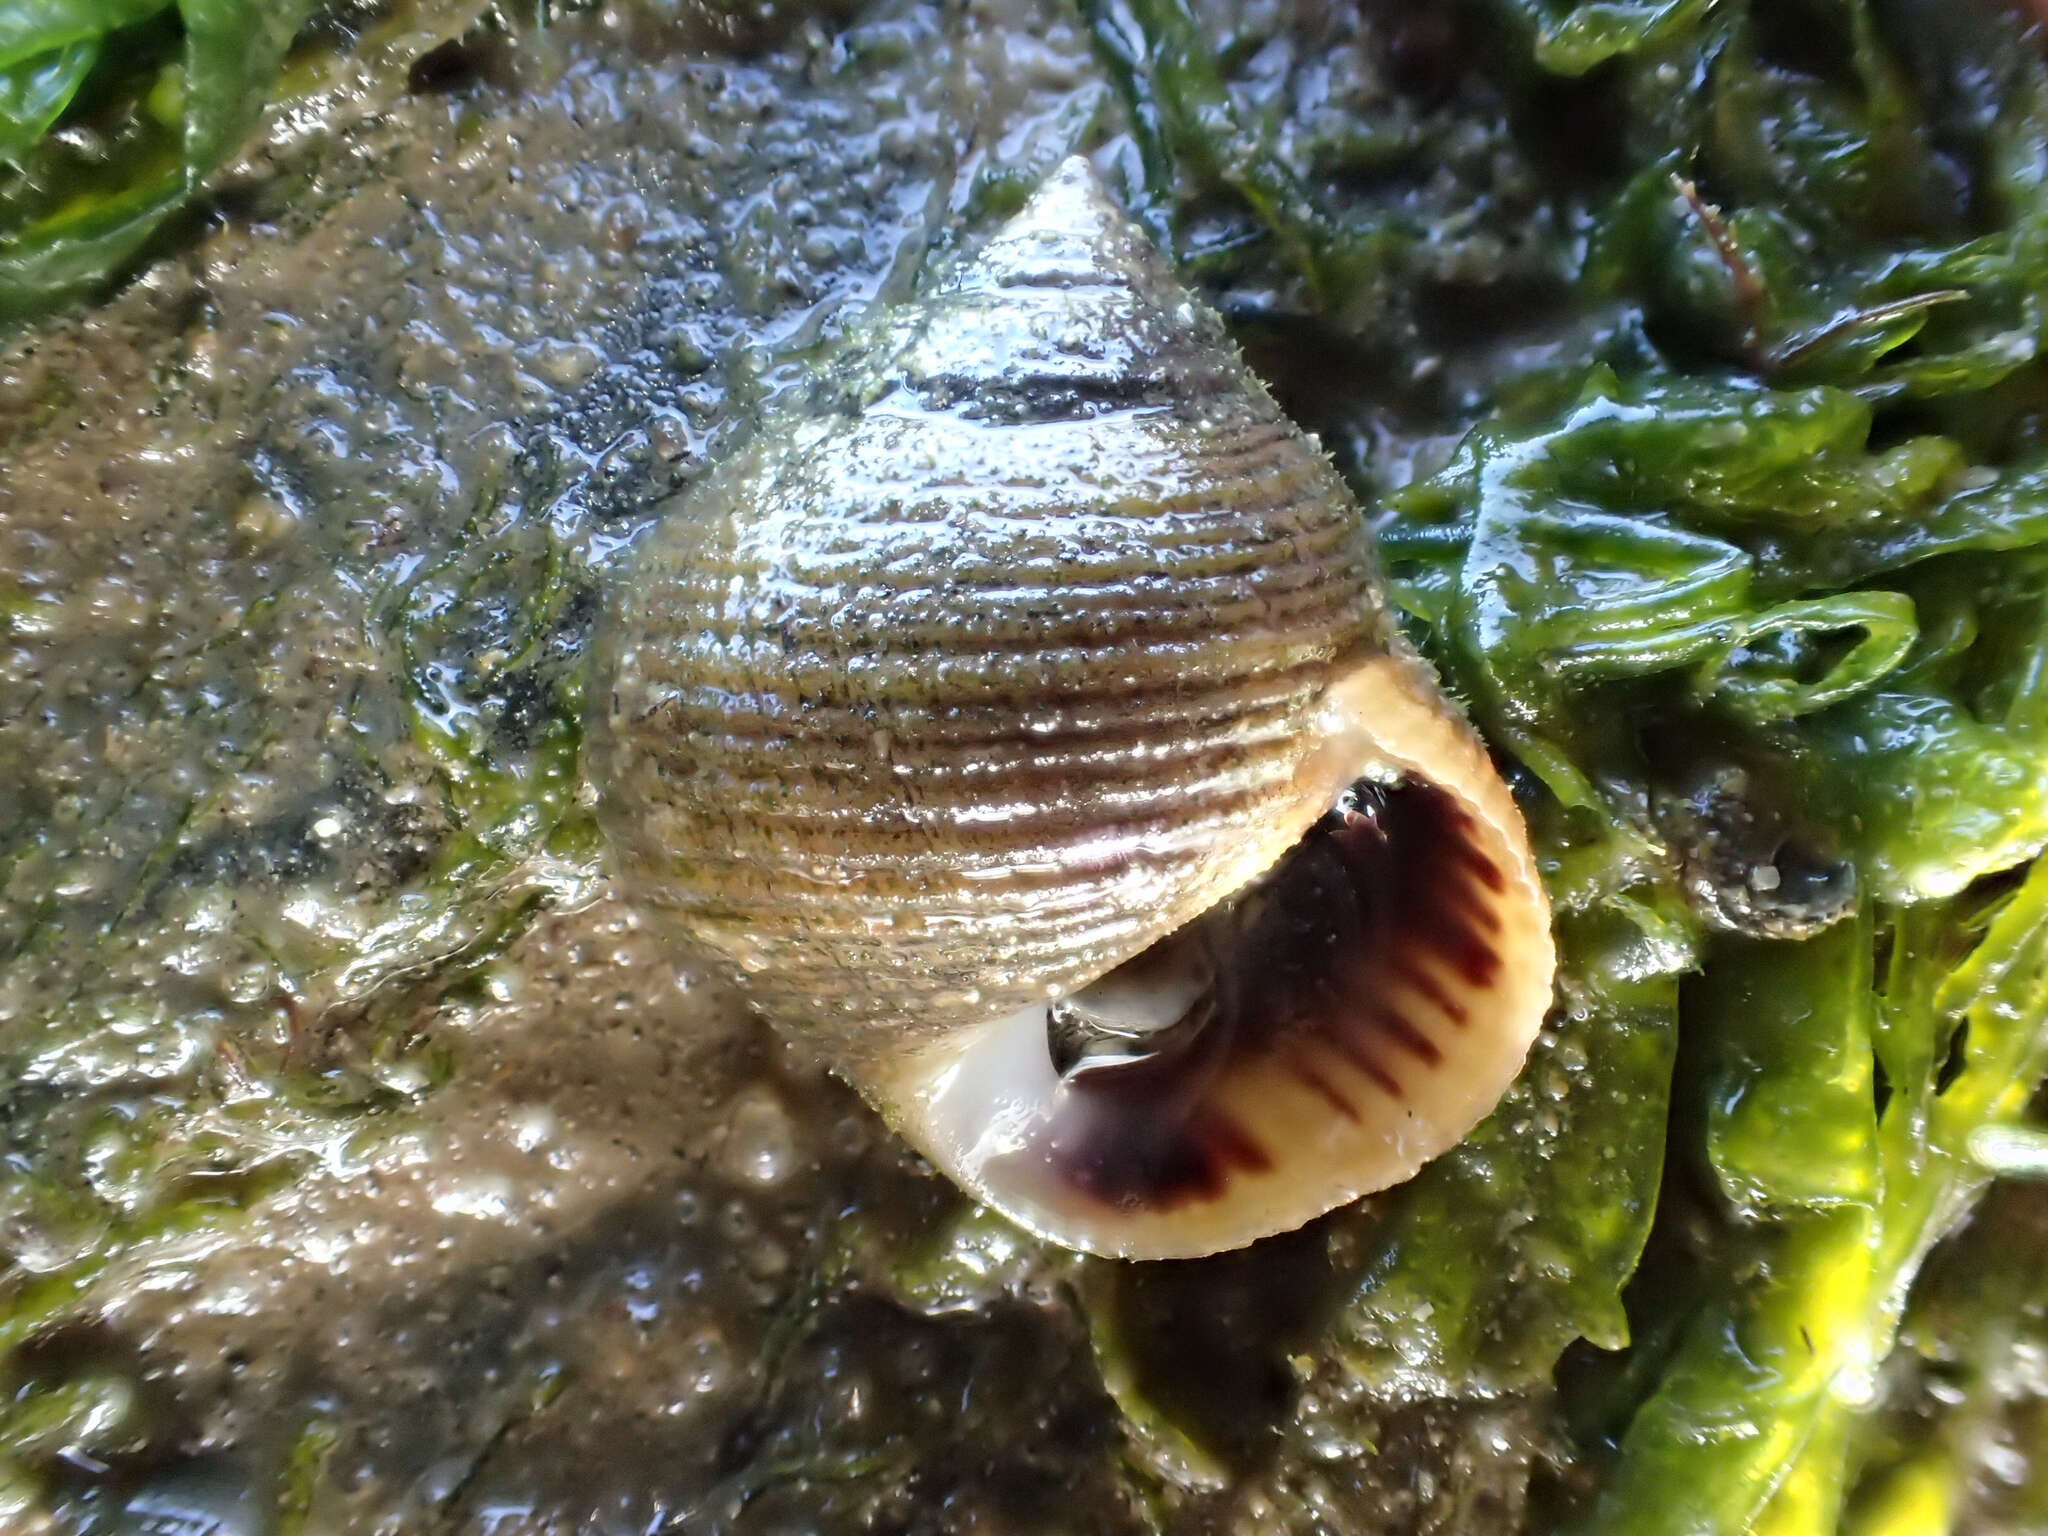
(1019, 715)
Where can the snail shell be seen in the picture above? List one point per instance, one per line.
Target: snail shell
(1020, 715)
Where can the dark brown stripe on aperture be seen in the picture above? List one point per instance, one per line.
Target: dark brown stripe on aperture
(1481, 868)
(1302, 1066)
(1412, 975)
(1399, 1028)
(1467, 952)
(1477, 910)
(1462, 928)
(1149, 1134)
(1349, 957)
(1352, 1049)
(1228, 1143)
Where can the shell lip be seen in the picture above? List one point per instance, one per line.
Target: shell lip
(1376, 994)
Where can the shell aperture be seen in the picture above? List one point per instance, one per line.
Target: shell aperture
(1019, 715)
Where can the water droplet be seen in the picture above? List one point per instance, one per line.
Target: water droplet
(760, 1145)
(707, 1362)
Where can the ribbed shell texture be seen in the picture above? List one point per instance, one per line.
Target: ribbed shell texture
(991, 660)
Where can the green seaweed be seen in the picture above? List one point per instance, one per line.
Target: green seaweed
(1572, 38)
(1519, 1241)
(1815, 1270)
(1958, 1386)
(1195, 135)
(1794, 525)
(1735, 535)
(172, 88)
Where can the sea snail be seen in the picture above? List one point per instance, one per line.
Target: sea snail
(1019, 715)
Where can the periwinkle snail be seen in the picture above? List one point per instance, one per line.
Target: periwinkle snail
(1020, 716)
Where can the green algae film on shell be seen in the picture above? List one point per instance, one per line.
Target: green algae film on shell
(1003, 654)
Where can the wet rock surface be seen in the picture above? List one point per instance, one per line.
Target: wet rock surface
(365, 1163)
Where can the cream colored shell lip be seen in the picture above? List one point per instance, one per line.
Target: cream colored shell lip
(1034, 646)
(1304, 1107)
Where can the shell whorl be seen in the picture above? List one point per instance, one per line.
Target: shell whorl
(1029, 637)
(993, 659)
